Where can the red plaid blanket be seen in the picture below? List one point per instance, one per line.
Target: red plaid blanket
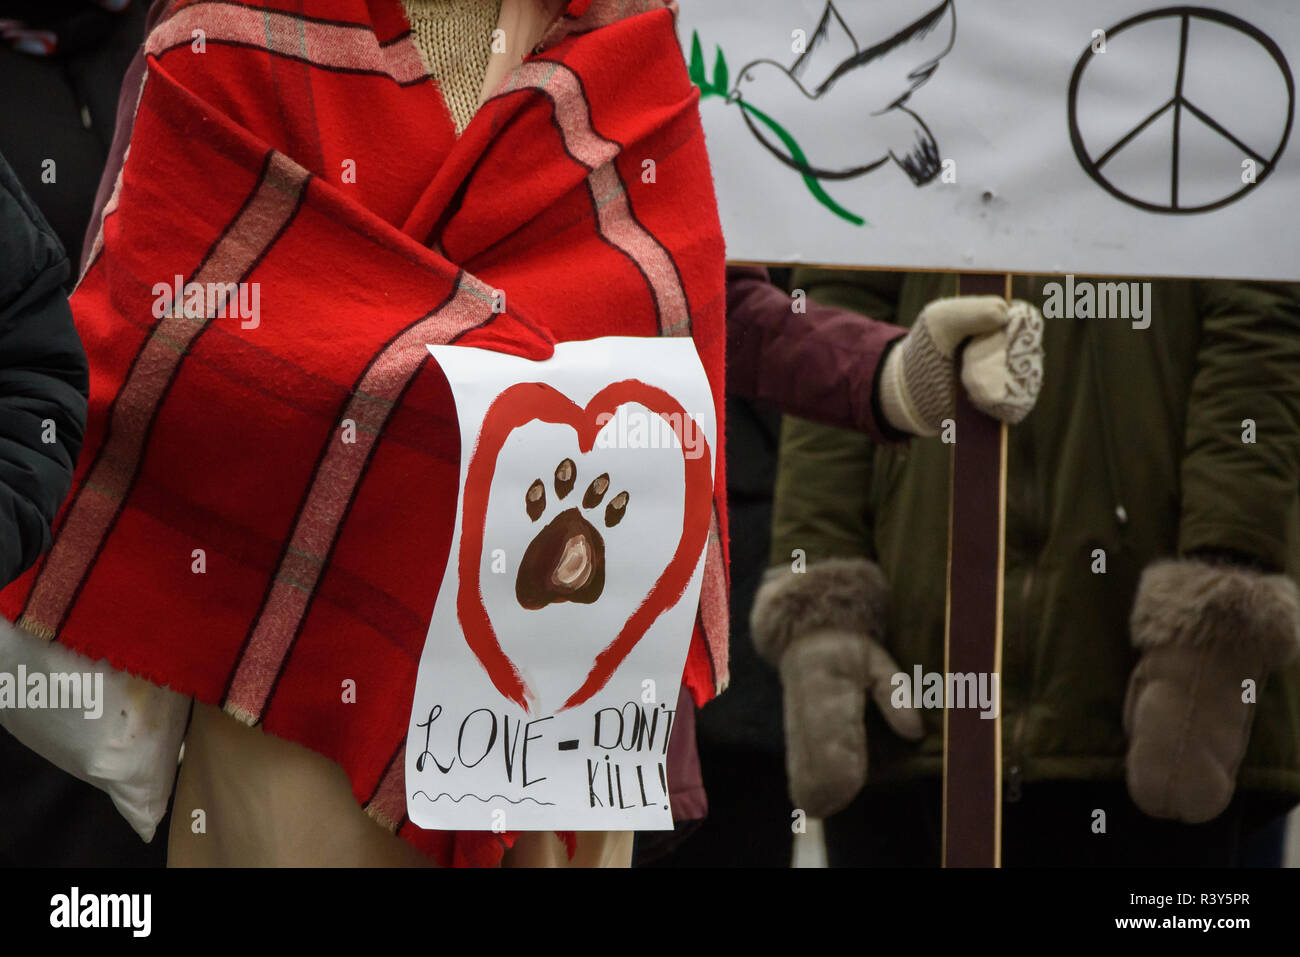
(264, 503)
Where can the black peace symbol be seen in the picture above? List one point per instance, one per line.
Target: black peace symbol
(1178, 101)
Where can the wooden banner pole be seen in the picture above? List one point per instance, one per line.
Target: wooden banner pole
(972, 744)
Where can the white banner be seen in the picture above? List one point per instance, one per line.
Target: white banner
(548, 682)
(1113, 137)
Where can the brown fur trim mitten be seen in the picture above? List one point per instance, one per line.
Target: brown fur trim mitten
(820, 628)
(1204, 630)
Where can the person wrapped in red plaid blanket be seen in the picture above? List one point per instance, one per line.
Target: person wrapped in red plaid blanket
(343, 188)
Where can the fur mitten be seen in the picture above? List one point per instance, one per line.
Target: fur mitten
(820, 628)
(1204, 629)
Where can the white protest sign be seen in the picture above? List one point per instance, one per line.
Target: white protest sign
(1114, 137)
(548, 682)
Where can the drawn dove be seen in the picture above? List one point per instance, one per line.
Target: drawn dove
(844, 105)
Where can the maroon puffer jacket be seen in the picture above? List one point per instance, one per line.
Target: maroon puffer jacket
(820, 365)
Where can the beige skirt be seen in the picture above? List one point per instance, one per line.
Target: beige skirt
(249, 799)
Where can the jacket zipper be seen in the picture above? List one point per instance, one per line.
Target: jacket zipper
(1013, 775)
(1107, 437)
(1014, 772)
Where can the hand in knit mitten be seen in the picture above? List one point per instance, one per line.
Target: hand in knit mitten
(819, 628)
(1204, 628)
(1002, 367)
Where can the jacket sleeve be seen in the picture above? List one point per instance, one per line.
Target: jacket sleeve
(43, 380)
(820, 506)
(1241, 460)
(820, 364)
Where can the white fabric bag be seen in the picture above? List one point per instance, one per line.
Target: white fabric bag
(130, 751)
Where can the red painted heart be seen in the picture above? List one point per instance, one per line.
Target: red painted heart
(536, 402)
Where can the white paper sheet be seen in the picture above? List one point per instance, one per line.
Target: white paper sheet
(547, 688)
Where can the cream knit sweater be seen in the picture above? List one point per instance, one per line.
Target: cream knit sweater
(454, 38)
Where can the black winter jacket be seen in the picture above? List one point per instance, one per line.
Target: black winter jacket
(43, 380)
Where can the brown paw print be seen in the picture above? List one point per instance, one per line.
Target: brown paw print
(565, 561)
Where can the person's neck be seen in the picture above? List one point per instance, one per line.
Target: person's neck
(523, 24)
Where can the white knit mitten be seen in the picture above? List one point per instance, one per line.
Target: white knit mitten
(1002, 367)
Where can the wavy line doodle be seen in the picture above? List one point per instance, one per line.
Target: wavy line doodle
(485, 800)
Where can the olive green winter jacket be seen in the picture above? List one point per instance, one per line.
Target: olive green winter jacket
(1139, 446)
